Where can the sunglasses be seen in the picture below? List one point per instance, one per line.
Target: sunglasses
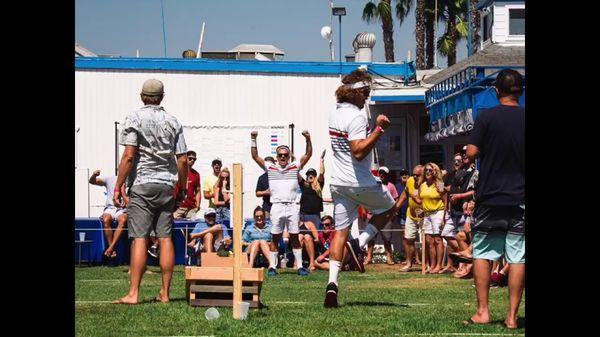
(329, 224)
(283, 155)
(429, 170)
(191, 158)
(259, 217)
(457, 161)
(213, 215)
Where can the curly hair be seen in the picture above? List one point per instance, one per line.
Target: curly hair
(345, 94)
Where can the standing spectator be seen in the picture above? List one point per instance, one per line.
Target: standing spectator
(210, 180)
(311, 206)
(283, 183)
(257, 236)
(352, 183)
(191, 204)
(263, 191)
(386, 231)
(498, 140)
(414, 216)
(207, 236)
(154, 159)
(400, 187)
(436, 220)
(110, 212)
(222, 196)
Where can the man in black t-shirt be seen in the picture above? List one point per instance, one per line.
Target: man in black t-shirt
(262, 190)
(498, 140)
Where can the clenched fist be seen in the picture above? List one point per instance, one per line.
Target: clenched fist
(306, 134)
(253, 134)
(383, 121)
(96, 173)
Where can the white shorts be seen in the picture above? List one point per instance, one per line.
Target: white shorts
(346, 200)
(411, 228)
(114, 212)
(285, 215)
(432, 222)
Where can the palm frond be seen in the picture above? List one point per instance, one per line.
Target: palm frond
(462, 27)
(384, 9)
(370, 12)
(444, 44)
(403, 8)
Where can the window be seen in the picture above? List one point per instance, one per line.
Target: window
(486, 27)
(516, 25)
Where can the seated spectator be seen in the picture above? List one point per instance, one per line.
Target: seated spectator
(208, 236)
(111, 212)
(309, 241)
(463, 237)
(257, 236)
(222, 196)
(325, 237)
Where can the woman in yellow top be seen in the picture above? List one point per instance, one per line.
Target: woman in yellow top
(433, 198)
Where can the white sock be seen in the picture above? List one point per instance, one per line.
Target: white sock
(334, 270)
(273, 260)
(298, 257)
(367, 235)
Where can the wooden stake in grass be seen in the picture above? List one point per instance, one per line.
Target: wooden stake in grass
(237, 238)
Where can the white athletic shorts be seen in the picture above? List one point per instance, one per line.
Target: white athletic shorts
(432, 222)
(114, 212)
(346, 200)
(285, 215)
(411, 228)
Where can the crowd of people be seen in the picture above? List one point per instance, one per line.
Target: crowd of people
(471, 219)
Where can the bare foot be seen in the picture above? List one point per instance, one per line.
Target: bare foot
(447, 270)
(511, 324)
(312, 268)
(479, 319)
(162, 298)
(131, 300)
(435, 270)
(406, 268)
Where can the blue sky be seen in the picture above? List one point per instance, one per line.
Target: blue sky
(119, 27)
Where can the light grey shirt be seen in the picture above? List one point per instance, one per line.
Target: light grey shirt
(159, 137)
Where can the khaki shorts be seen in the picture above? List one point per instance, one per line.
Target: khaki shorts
(411, 228)
(150, 209)
(184, 213)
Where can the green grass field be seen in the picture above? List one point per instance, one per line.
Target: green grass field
(381, 302)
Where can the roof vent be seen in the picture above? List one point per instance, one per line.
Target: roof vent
(363, 47)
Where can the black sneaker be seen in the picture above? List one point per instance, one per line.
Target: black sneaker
(356, 254)
(331, 296)
(153, 251)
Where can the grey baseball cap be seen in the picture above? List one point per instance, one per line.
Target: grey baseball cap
(153, 87)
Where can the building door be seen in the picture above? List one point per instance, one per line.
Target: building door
(391, 147)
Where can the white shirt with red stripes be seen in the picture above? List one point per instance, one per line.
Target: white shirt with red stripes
(283, 181)
(347, 123)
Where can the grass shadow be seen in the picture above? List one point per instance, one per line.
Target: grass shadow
(374, 304)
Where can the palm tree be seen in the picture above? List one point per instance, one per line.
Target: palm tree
(420, 35)
(383, 12)
(454, 14)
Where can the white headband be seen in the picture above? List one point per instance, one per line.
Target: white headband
(357, 85)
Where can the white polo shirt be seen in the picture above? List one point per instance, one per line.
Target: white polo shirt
(283, 181)
(347, 123)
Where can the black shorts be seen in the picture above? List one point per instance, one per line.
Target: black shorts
(499, 219)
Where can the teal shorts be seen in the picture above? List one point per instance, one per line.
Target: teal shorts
(497, 231)
(491, 246)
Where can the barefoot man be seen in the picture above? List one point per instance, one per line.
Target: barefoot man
(154, 160)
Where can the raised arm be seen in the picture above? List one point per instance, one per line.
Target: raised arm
(254, 150)
(304, 159)
(94, 179)
(362, 147)
(321, 177)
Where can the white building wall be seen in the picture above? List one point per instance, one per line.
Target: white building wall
(501, 24)
(105, 96)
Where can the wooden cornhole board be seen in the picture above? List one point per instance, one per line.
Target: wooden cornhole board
(211, 285)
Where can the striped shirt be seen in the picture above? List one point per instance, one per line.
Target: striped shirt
(283, 181)
(348, 123)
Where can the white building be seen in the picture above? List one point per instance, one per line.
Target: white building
(220, 101)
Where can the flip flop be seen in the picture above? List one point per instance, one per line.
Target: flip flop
(509, 327)
(405, 269)
(462, 258)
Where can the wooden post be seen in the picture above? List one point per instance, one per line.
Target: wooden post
(423, 249)
(237, 237)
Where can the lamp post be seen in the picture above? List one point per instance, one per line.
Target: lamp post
(339, 12)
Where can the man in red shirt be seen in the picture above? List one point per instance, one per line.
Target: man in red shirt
(190, 205)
